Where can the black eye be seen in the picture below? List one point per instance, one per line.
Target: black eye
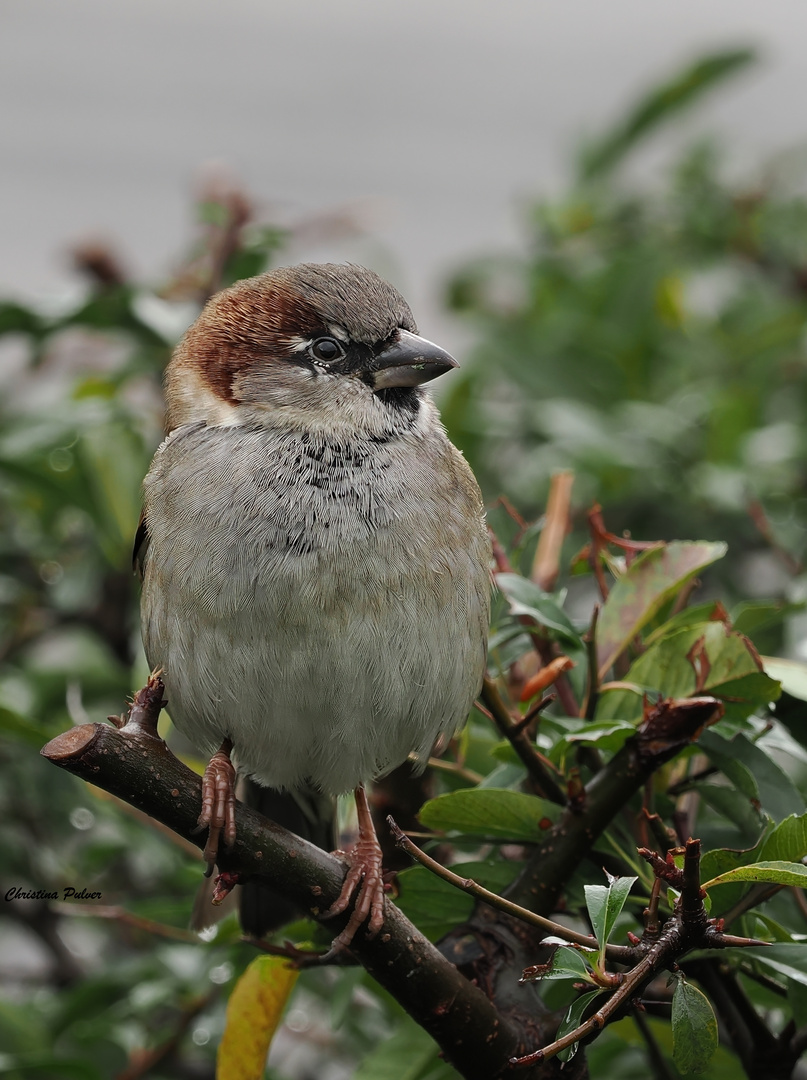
(325, 348)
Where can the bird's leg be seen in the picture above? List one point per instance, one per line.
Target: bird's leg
(364, 874)
(218, 803)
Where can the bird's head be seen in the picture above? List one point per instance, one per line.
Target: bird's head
(326, 345)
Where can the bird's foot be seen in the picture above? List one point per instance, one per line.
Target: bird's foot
(218, 804)
(364, 878)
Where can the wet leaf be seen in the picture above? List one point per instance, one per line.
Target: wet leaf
(573, 1019)
(705, 659)
(694, 1028)
(604, 903)
(776, 791)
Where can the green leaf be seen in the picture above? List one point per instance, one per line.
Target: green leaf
(684, 620)
(797, 999)
(526, 598)
(792, 674)
(783, 959)
(494, 812)
(787, 841)
(16, 319)
(754, 616)
(777, 792)
(648, 583)
(738, 812)
(694, 1028)
(773, 928)
(22, 1029)
(659, 105)
(607, 735)
(721, 860)
(777, 873)
(604, 903)
(573, 1019)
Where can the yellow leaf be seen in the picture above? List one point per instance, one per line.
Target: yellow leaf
(253, 1015)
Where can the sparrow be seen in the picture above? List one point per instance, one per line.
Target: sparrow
(313, 553)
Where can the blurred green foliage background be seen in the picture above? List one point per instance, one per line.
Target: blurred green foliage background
(650, 336)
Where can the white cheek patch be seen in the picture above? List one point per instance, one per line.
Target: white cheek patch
(199, 402)
(225, 415)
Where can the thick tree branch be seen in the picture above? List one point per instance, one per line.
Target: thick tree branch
(133, 763)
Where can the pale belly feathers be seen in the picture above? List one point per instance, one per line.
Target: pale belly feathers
(329, 613)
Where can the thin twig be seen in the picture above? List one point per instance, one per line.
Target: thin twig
(456, 769)
(127, 918)
(618, 953)
(539, 768)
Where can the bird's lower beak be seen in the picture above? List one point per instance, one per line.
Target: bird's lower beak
(409, 361)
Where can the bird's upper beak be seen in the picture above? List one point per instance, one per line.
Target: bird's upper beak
(409, 361)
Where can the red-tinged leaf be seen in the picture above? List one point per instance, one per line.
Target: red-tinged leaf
(648, 583)
(565, 963)
(254, 1012)
(708, 659)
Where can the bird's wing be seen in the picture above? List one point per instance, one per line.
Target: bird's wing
(141, 546)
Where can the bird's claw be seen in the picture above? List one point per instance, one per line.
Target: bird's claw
(364, 878)
(218, 804)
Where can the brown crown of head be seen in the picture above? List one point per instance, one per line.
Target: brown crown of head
(260, 318)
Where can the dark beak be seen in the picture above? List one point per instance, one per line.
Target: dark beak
(409, 361)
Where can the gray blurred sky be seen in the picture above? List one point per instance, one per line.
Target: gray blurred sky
(433, 116)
